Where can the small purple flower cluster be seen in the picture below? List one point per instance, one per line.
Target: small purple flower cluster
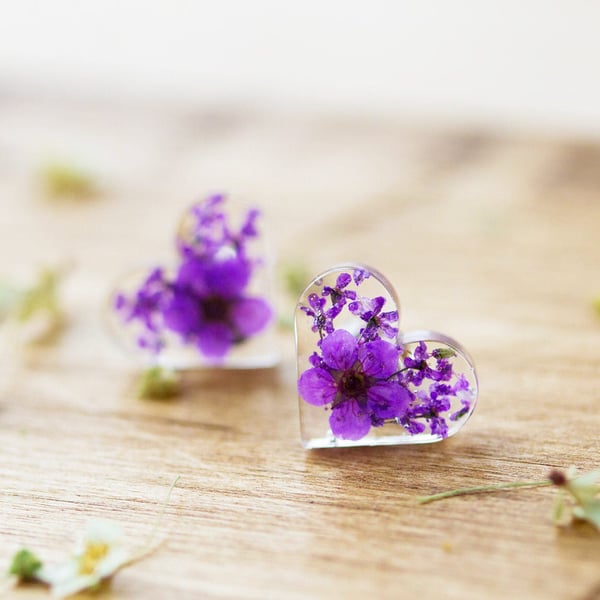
(206, 304)
(369, 380)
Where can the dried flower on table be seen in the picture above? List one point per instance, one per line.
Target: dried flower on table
(99, 555)
(579, 495)
(61, 181)
(35, 309)
(295, 278)
(158, 383)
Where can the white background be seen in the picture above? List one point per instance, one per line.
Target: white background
(525, 64)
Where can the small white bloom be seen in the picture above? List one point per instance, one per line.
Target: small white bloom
(98, 556)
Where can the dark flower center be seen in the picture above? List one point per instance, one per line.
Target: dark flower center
(336, 296)
(353, 384)
(215, 308)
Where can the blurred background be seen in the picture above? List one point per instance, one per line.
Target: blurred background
(333, 116)
(525, 64)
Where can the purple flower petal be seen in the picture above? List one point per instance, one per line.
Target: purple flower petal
(182, 314)
(342, 281)
(317, 303)
(316, 386)
(378, 358)
(360, 275)
(214, 340)
(439, 427)
(249, 226)
(387, 400)
(350, 421)
(340, 349)
(250, 315)
(224, 278)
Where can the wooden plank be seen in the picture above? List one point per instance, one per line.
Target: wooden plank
(493, 240)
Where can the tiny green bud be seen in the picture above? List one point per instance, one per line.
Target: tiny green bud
(25, 565)
(158, 383)
(443, 353)
(296, 277)
(61, 180)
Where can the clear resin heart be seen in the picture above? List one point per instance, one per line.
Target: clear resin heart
(361, 382)
(211, 306)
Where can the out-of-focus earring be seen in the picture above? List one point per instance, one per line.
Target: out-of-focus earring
(211, 305)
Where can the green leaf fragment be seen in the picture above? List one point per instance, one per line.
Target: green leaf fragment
(41, 297)
(61, 180)
(296, 278)
(25, 565)
(159, 383)
(24, 303)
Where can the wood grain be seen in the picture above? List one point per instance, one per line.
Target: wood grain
(491, 239)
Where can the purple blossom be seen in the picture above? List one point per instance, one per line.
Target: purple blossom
(462, 390)
(432, 405)
(378, 323)
(359, 275)
(338, 294)
(145, 306)
(209, 307)
(322, 319)
(418, 368)
(207, 303)
(429, 409)
(353, 380)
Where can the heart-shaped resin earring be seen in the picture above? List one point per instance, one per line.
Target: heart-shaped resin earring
(361, 382)
(211, 305)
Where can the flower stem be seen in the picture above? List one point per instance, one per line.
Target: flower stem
(482, 489)
(148, 547)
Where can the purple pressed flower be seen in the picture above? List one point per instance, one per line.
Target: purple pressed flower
(209, 277)
(438, 426)
(418, 368)
(462, 390)
(208, 233)
(207, 304)
(316, 360)
(359, 275)
(427, 408)
(412, 425)
(339, 296)
(353, 380)
(322, 319)
(431, 405)
(378, 323)
(248, 229)
(145, 306)
(210, 308)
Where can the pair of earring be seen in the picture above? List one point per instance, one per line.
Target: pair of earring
(361, 381)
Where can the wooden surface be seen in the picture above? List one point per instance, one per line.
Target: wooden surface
(493, 240)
